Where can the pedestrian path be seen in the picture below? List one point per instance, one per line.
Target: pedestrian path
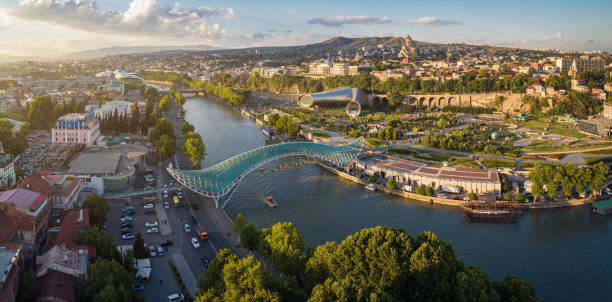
(188, 277)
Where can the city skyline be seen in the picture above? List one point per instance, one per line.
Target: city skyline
(54, 27)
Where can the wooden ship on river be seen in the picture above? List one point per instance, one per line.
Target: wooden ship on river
(502, 212)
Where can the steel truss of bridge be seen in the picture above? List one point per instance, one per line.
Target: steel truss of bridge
(220, 181)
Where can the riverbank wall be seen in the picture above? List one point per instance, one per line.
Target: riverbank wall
(457, 203)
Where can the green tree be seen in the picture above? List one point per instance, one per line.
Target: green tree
(194, 148)
(28, 286)
(41, 112)
(434, 266)
(186, 127)
(239, 223)
(284, 246)
(472, 196)
(140, 251)
(164, 103)
(507, 197)
(105, 248)
(600, 175)
(166, 146)
(107, 278)
(420, 190)
(513, 289)
(391, 184)
(97, 207)
(249, 237)
(520, 197)
(372, 179)
(162, 126)
(474, 285)
(429, 191)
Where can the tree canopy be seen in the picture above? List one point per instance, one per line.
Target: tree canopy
(98, 209)
(41, 112)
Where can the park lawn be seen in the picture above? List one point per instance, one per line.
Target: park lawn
(540, 143)
(604, 152)
(470, 165)
(594, 160)
(498, 163)
(321, 134)
(568, 132)
(536, 124)
(372, 143)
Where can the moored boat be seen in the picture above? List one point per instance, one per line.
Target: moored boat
(370, 187)
(504, 212)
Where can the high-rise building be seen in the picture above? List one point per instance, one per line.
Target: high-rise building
(588, 64)
(339, 69)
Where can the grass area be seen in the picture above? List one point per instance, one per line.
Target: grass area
(179, 280)
(536, 124)
(541, 143)
(526, 165)
(604, 152)
(567, 132)
(594, 160)
(403, 150)
(470, 165)
(372, 143)
(321, 134)
(498, 163)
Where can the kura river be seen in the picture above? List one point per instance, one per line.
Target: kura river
(565, 253)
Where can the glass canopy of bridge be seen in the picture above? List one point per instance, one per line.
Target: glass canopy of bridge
(220, 180)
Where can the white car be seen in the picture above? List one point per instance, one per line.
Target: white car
(187, 228)
(165, 193)
(127, 219)
(127, 236)
(153, 230)
(152, 251)
(195, 242)
(151, 224)
(149, 206)
(166, 205)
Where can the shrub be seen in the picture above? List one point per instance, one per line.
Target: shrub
(420, 190)
(391, 184)
(372, 179)
(520, 197)
(507, 197)
(472, 196)
(429, 191)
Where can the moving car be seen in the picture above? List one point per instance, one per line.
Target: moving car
(151, 224)
(127, 236)
(165, 193)
(152, 251)
(160, 251)
(202, 234)
(166, 205)
(153, 230)
(166, 243)
(149, 206)
(195, 242)
(187, 228)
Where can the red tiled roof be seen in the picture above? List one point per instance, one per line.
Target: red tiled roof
(23, 198)
(56, 286)
(12, 220)
(441, 172)
(71, 222)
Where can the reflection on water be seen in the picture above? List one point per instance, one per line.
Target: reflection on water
(564, 253)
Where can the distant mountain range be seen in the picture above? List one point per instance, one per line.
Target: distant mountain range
(119, 50)
(8, 58)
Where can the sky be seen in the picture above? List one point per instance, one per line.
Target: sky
(50, 28)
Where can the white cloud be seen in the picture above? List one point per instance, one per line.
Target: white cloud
(588, 41)
(556, 36)
(4, 19)
(291, 11)
(340, 21)
(433, 21)
(144, 17)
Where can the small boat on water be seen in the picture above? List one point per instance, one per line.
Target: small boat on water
(270, 202)
(370, 187)
(504, 212)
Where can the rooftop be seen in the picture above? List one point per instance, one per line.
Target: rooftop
(403, 165)
(8, 256)
(56, 285)
(98, 163)
(59, 257)
(23, 198)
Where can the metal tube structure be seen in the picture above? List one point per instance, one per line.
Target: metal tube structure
(352, 98)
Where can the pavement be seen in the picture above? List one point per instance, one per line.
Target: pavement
(183, 268)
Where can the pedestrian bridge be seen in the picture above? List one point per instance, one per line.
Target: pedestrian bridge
(219, 181)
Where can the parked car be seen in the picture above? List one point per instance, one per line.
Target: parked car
(127, 236)
(166, 243)
(160, 251)
(195, 242)
(153, 230)
(137, 286)
(179, 194)
(152, 251)
(149, 206)
(127, 231)
(175, 298)
(151, 224)
(165, 193)
(127, 219)
(126, 224)
(166, 205)
(187, 228)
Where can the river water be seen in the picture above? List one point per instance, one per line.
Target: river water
(566, 254)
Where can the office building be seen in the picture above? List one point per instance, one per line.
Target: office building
(76, 129)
